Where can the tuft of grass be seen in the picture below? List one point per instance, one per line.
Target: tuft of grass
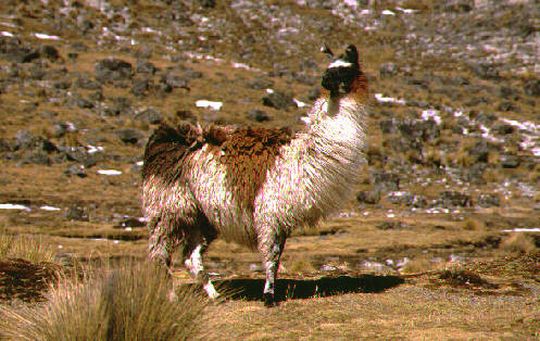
(473, 225)
(25, 247)
(418, 265)
(127, 302)
(301, 266)
(519, 243)
(464, 278)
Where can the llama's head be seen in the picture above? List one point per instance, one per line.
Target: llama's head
(343, 73)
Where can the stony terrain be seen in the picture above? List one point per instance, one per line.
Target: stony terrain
(453, 173)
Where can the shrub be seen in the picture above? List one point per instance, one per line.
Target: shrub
(127, 302)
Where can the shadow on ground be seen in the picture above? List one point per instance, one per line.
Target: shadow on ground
(252, 289)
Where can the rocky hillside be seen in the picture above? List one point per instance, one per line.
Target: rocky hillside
(455, 120)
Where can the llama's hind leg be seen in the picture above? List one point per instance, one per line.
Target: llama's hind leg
(193, 252)
(271, 247)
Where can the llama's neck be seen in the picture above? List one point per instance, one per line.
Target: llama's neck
(337, 128)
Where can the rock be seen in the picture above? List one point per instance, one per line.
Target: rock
(532, 87)
(60, 129)
(150, 115)
(140, 87)
(49, 52)
(190, 74)
(175, 81)
(146, 67)
(388, 126)
(77, 213)
(450, 199)
(120, 106)
(480, 151)
(260, 83)
(258, 115)
(368, 197)
(488, 200)
(485, 71)
(76, 170)
(408, 199)
(503, 129)
(390, 225)
(24, 140)
(84, 82)
(81, 102)
(82, 156)
(130, 222)
(388, 70)
(458, 6)
(113, 69)
(38, 157)
(130, 135)
(385, 182)
(507, 106)
(508, 93)
(475, 173)
(509, 161)
(278, 100)
(207, 3)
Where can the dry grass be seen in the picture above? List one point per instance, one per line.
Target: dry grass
(26, 247)
(406, 312)
(518, 242)
(127, 302)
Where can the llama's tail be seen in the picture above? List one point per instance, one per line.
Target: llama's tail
(167, 148)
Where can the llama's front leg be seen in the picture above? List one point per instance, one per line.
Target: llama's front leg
(195, 266)
(271, 249)
(162, 242)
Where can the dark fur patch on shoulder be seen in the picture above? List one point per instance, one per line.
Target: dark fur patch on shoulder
(166, 149)
(248, 153)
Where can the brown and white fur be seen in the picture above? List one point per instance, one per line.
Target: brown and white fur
(255, 185)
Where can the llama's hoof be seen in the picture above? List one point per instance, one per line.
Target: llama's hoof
(269, 300)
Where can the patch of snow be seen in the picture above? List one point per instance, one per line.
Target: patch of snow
(299, 104)
(14, 207)
(351, 3)
(139, 163)
(93, 149)
(209, 104)
(109, 172)
(406, 10)
(8, 24)
(531, 229)
(241, 66)
(269, 91)
(49, 208)
(150, 30)
(431, 114)
(388, 12)
(6, 34)
(365, 12)
(384, 99)
(46, 36)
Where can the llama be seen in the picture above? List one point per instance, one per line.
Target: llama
(255, 185)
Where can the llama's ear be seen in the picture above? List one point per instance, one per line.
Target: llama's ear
(351, 54)
(326, 50)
